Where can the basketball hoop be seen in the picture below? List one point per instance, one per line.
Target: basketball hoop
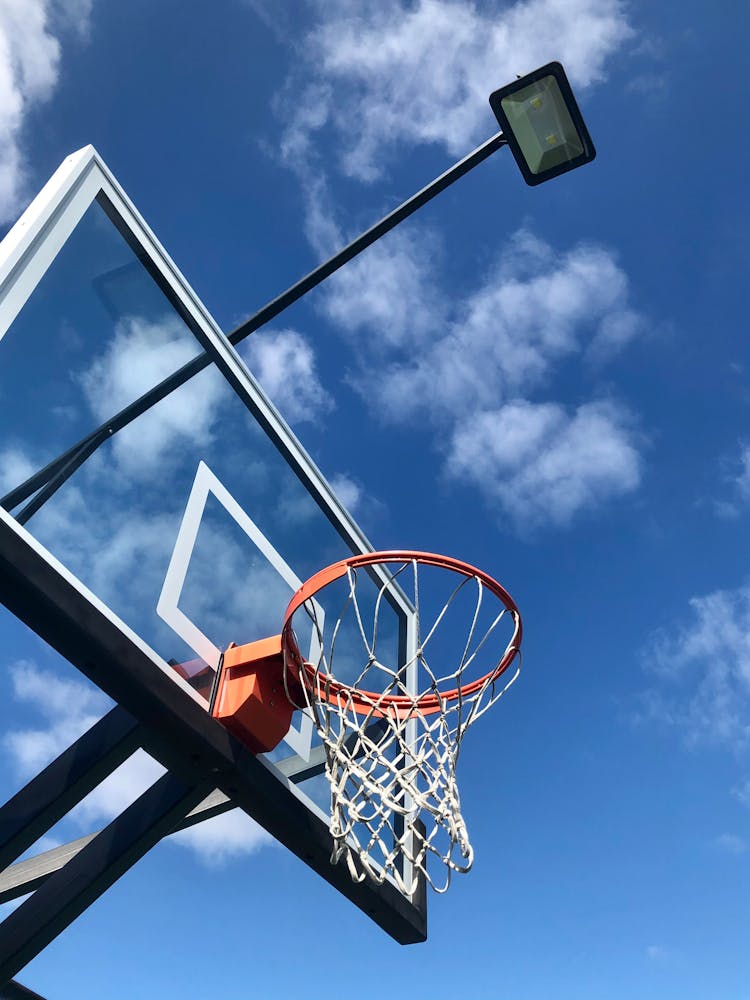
(392, 736)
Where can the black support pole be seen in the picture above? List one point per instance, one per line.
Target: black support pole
(57, 903)
(64, 782)
(366, 239)
(61, 468)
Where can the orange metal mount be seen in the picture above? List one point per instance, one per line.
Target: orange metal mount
(251, 701)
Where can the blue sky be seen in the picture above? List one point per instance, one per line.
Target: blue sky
(549, 383)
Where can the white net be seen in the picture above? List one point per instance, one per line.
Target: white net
(393, 731)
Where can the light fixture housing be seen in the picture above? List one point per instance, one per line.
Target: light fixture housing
(540, 119)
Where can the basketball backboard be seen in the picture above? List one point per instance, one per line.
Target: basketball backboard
(141, 546)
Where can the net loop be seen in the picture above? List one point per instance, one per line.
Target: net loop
(393, 734)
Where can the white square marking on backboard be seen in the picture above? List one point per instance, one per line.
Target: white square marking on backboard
(205, 482)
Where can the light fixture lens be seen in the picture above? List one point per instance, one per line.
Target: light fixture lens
(542, 125)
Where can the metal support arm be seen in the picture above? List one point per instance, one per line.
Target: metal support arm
(65, 782)
(56, 904)
(53, 475)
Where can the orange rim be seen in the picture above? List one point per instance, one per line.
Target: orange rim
(369, 702)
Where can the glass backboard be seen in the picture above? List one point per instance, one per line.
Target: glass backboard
(179, 506)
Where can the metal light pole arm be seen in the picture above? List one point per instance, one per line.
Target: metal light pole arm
(366, 239)
(55, 473)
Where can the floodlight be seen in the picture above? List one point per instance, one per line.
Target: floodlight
(542, 124)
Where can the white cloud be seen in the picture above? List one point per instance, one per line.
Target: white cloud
(73, 14)
(542, 464)
(284, 364)
(295, 507)
(738, 478)
(126, 554)
(111, 540)
(473, 386)
(47, 843)
(70, 707)
(348, 492)
(390, 291)
(29, 71)
(119, 790)
(140, 356)
(217, 840)
(617, 329)
(534, 309)
(422, 72)
(730, 843)
(15, 468)
(704, 669)
(246, 597)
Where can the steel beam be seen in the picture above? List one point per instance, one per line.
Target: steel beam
(56, 904)
(63, 783)
(27, 875)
